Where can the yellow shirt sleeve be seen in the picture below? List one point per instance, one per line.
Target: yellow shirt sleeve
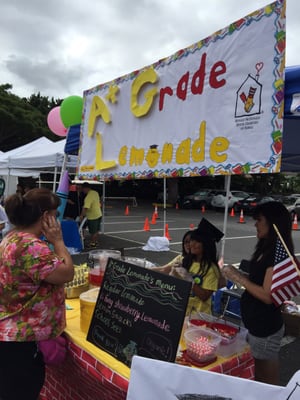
(210, 282)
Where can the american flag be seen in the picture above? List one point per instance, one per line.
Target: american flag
(285, 279)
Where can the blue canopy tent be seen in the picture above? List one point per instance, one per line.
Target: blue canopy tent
(290, 161)
(73, 140)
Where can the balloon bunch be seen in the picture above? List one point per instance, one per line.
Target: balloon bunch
(69, 113)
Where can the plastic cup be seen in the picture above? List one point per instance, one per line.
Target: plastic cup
(96, 276)
(98, 262)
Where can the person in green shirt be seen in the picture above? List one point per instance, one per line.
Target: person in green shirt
(92, 211)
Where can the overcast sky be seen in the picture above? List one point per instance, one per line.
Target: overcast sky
(62, 47)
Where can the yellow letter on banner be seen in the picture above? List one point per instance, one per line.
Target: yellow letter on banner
(183, 152)
(98, 109)
(167, 153)
(123, 155)
(148, 76)
(219, 145)
(100, 163)
(198, 148)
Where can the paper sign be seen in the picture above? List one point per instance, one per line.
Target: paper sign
(185, 383)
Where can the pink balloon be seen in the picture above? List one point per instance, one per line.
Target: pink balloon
(55, 123)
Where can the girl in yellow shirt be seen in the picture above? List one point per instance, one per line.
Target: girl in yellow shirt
(202, 265)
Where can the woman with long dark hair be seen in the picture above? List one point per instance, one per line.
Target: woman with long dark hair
(260, 316)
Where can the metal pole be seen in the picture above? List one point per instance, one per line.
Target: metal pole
(227, 187)
(165, 206)
(54, 179)
(103, 208)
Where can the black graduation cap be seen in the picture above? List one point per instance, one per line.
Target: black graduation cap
(207, 228)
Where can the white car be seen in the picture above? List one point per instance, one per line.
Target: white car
(294, 208)
(219, 199)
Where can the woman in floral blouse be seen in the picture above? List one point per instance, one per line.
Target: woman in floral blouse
(32, 302)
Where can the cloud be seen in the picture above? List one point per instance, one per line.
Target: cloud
(60, 48)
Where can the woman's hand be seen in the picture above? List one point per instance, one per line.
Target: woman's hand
(51, 229)
(233, 275)
(181, 273)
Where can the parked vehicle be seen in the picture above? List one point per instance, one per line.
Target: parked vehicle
(249, 203)
(290, 199)
(294, 208)
(160, 197)
(199, 199)
(219, 199)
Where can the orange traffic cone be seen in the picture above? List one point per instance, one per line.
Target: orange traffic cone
(127, 210)
(192, 226)
(156, 211)
(242, 221)
(146, 225)
(167, 232)
(232, 212)
(153, 221)
(295, 223)
(203, 209)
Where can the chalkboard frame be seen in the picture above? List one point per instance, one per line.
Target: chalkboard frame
(138, 312)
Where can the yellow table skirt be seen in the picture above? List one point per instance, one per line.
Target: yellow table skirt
(78, 337)
(223, 365)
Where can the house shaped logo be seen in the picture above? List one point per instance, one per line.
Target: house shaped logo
(248, 96)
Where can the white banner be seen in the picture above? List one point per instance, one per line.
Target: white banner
(213, 108)
(153, 379)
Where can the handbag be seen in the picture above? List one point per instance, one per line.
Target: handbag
(53, 350)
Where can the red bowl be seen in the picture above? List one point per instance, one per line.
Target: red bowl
(227, 332)
(200, 322)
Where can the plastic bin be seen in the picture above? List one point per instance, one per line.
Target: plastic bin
(201, 344)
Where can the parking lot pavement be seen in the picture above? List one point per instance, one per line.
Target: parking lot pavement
(239, 242)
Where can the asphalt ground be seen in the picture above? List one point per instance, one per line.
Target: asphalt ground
(125, 231)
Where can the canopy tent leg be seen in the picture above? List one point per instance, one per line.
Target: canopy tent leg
(54, 180)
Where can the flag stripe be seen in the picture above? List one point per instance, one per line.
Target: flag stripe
(285, 279)
(285, 268)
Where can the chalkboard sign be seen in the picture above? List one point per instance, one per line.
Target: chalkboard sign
(138, 312)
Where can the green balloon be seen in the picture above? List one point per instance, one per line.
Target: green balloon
(71, 111)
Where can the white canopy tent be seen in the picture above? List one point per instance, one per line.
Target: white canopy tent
(41, 155)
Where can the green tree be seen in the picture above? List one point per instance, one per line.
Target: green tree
(23, 120)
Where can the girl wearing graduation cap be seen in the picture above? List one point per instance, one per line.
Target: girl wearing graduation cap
(202, 266)
(198, 264)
